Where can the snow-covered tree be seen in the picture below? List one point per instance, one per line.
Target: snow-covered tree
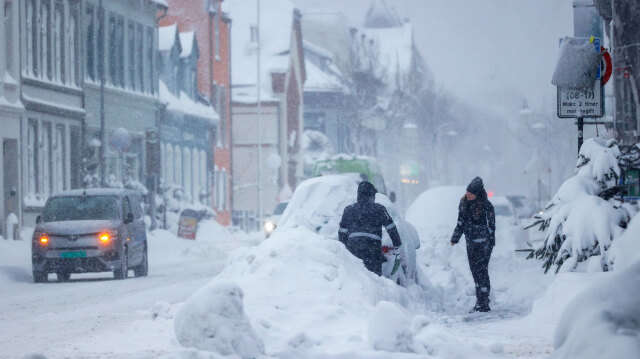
(582, 219)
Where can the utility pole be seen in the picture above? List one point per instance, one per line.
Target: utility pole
(103, 131)
(258, 88)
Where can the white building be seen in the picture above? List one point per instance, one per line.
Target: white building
(282, 75)
(11, 113)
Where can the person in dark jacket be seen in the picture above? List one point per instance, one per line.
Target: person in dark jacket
(477, 221)
(361, 228)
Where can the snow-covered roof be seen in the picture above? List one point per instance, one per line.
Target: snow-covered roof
(330, 31)
(167, 37)
(160, 3)
(381, 15)
(395, 47)
(187, 40)
(319, 80)
(186, 105)
(276, 24)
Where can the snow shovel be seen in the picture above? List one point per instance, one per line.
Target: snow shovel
(396, 262)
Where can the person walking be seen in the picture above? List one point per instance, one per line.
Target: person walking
(361, 228)
(477, 221)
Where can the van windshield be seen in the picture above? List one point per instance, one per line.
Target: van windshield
(81, 208)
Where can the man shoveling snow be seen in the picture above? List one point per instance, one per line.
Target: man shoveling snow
(361, 229)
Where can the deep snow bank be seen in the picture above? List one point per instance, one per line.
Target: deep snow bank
(604, 320)
(308, 297)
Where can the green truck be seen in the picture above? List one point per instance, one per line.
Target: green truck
(366, 168)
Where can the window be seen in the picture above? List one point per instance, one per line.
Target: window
(150, 59)
(203, 174)
(139, 57)
(126, 208)
(74, 47)
(113, 50)
(225, 189)
(188, 188)
(177, 165)
(59, 159)
(169, 164)
(131, 42)
(91, 42)
(32, 157)
(32, 38)
(222, 111)
(45, 37)
(216, 24)
(135, 207)
(77, 208)
(58, 42)
(8, 35)
(120, 54)
(45, 163)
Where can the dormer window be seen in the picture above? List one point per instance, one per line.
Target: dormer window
(254, 33)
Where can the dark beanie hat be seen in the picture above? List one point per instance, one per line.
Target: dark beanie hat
(366, 190)
(476, 186)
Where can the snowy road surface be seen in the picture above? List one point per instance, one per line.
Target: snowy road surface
(87, 317)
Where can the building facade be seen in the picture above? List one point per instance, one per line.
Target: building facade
(121, 87)
(212, 29)
(11, 116)
(267, 114)
(52, 94)
(187, 119)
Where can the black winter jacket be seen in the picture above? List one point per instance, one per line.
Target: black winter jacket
(476, 220)
(366, 218)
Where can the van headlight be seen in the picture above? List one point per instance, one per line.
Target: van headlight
(269, 226)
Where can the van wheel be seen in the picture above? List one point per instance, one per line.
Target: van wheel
(63, 276)
(142, 269)
(123, 271)
(39, 277)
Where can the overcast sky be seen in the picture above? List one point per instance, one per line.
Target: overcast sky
(491, 53)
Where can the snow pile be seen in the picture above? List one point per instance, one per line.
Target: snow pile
(301, 289)
(579, 223)
(603, 322)
(213, 319)
(389, 329)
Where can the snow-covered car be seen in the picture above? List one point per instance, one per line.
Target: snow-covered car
(93, 230)
(506, 214)
(504, 208)
(318, 204)
(271, 222)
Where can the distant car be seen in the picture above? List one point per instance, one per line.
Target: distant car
(522, 206)
(504, 208)
(93, 230)
(271, 223)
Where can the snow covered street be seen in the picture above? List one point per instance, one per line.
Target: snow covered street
(298, 294)
(95, 316)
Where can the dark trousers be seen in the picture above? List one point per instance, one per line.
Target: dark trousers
(369, 250)
(479, 255)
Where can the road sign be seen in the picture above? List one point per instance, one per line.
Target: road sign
(585, 102)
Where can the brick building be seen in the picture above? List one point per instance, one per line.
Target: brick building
(211, 29)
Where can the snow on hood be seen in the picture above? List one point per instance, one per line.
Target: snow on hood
(77, 227)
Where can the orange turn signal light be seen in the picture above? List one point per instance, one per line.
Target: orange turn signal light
(44, 240)
(104, 237)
